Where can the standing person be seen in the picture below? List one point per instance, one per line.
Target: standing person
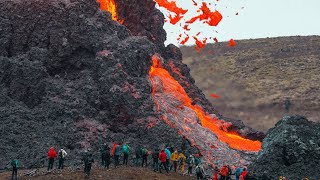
(125, 151)
(138, 156)
(105, 156)
(229, 173)
(62, 154)
(15, 167)
(216, 173)
(174, 159)
(182, 160)
(190, 162)
(224, 172)
(244, 173)
(199, 172)
(88, 161)
(197, 159)
(52, 154)
(144, 156)
(163, 159)
(155, 158)
(117, 153)
(238, 172)
(168, 153)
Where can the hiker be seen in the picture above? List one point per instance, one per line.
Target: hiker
(241, 177)
(244, 173)
(190, 163)
(88, 161)
(15, 167)
(168, 153)
(199, 172)
(115, 153)
(155, 157)
(197, 159)
(125, 150)
(62, 154)
(138, 156)
(105, 156)
(216, 173)
(51, 156)
(229, 173)
(287, 104)
(163, 159)
(144, 156)
(182, 160)
(238, 172)
(224, 172)
(174, 159)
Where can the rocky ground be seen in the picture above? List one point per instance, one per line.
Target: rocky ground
(122, 173)
(255, 77)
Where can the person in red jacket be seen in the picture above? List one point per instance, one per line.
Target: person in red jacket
(163, 159)
(51, 156)
(216, 173)
(244, 173)
(224, 171)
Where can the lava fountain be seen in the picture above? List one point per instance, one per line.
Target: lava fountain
(110, 6)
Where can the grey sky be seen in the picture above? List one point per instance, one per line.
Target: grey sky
(258, 19)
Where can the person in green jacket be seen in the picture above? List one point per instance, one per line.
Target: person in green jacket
(117, 153)
(15, 167)
(125, 150)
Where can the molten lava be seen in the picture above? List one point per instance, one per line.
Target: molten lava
(170, 86)
(110, 5)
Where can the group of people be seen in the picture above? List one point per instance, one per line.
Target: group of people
(167, 158)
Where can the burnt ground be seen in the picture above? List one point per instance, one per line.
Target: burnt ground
(256, 76)
(122, 173)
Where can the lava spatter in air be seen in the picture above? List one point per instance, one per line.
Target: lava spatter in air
(173, 8)
(110, 5)
(163, 84)
(201, 14)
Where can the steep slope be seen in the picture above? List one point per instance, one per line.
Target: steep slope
(254, 78)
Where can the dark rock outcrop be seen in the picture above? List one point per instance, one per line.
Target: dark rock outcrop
(290, 149)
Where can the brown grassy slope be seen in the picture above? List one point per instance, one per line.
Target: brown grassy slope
(122, 173)
(255, 77)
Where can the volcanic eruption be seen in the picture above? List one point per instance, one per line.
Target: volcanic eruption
(75, 75)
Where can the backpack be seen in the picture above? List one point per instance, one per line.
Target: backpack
(60, 154)
(144, 152)
(198, 170)
(125, 149)
(14, 164)
(155, 155)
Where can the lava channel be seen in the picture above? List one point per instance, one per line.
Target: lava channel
(172, 100)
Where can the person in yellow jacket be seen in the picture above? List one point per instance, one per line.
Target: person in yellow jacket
(175, 158)
(182, 159)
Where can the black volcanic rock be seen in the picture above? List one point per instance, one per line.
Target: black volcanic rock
(71, 76)
(290, 149)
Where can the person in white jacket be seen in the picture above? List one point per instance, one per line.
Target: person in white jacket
(62, 155)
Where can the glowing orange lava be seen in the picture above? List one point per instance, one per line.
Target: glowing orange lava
(172, 7)
(171, 86)
(110, 5)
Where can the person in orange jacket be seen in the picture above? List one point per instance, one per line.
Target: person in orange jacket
(52, 154)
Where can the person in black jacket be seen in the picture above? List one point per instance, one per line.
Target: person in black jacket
(88, 161)
(105, 156)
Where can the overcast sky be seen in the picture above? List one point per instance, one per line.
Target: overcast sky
(256, 19)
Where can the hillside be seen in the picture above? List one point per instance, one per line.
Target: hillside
(254, 78)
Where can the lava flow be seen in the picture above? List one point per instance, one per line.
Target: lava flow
(163, 82)
(110, 5)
